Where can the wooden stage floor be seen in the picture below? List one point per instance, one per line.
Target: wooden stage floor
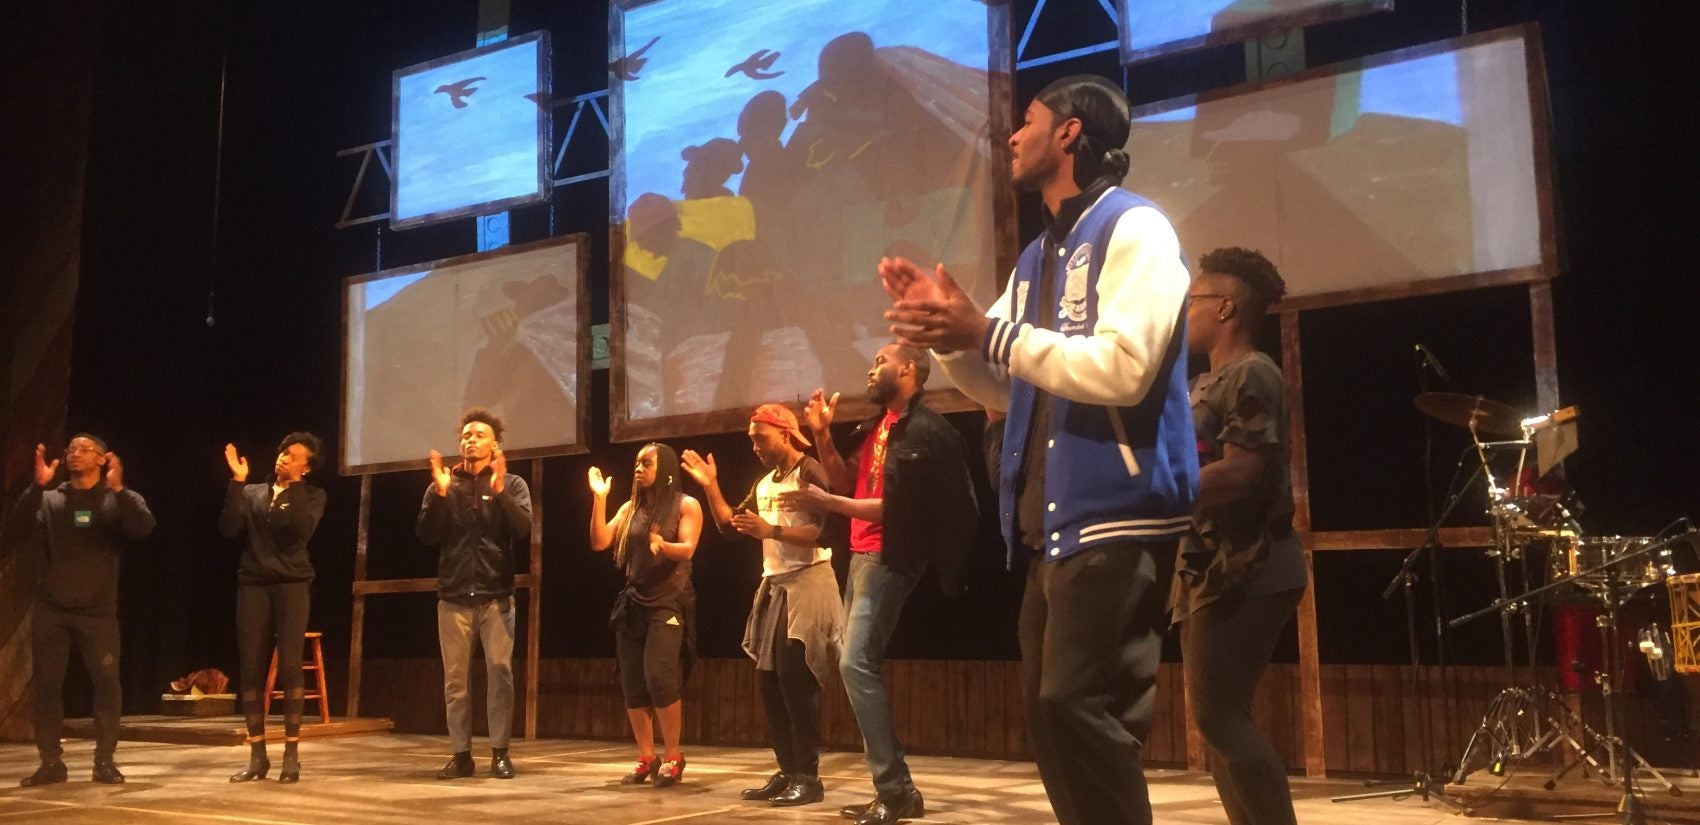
(391, 779)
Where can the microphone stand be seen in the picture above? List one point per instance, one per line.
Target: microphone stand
(1423, 782)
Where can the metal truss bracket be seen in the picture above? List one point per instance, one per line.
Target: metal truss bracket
(596, 103)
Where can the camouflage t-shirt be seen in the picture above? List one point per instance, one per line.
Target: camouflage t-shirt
(1245, 547)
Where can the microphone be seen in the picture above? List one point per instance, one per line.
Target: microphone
(1428, 358)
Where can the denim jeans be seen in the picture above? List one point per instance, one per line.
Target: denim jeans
(873, 600)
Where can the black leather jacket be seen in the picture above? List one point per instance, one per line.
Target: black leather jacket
(931, 514)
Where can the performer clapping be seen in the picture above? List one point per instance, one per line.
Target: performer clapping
(274, 518)
(654, 536)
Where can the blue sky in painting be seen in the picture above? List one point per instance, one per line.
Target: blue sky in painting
(449, 158)
(1425, 88)
(682, 97)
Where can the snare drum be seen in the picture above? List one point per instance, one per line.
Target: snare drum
(1597, 557)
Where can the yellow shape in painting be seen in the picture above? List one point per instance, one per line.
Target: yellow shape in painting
(644, 262)
(717, 222)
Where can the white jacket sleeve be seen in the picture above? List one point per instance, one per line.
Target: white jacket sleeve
(985, 382)
(1141, 289)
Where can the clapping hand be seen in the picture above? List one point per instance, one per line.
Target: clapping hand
(808, 497)
(238, 465)
(931, 314)
(114, 473)
(44, 471)
(701, 470)
(498, 470)
(440, 475)
(599, 484)
(820, 411)
(751, 525)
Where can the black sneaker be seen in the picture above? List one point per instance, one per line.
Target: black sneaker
(50, 773)
(106, 773)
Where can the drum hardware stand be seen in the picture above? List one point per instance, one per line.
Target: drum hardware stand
(1423, 784)
(1512, 724)
(1622, 760)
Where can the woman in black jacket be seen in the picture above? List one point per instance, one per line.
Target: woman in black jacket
(274, 519)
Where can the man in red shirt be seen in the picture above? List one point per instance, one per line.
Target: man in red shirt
(911, 503)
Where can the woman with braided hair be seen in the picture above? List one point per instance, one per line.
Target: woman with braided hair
(654, 536)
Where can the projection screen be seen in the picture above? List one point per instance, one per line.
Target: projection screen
(1153, 28)
(470, 132)
(765, 157)
(1417, 171)
(501, 330)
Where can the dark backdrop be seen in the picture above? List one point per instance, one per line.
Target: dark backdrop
(187, 336)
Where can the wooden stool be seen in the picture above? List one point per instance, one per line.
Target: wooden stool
(315, 664)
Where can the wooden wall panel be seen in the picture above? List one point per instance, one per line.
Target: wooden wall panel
(1372, 714)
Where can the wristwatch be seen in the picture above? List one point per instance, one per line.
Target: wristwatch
(773, 533)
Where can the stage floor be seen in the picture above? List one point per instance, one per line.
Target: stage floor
(392, 779)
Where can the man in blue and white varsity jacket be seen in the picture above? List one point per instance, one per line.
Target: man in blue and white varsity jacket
(1085, 350)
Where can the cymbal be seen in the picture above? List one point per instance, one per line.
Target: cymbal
(1491, 417)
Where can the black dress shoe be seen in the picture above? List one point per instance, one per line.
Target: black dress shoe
(290, 773)
(257, 769)
(106, 773)
(459, 767)
(501, 766)
(776, 785)
(856, 811)
(889, 810)
(50, 773)
(803, 790)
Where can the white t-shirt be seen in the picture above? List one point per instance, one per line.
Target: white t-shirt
(780, 556)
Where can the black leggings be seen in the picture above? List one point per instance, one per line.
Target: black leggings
(790, 696)
(647, 648)
(268, 615)
(1225, 647)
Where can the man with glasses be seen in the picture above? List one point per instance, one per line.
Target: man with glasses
(76, 530)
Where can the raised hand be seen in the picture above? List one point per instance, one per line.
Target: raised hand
(498, 470)
(701, 470)
(440, 475)
(751, 525)
(238, 465)
(599, 484)
(820, 410)
(44, 471)
(949, 321)
(114, 473)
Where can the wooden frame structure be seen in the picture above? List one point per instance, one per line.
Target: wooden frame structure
(1538, 281)
(544, 178)
(531, 581)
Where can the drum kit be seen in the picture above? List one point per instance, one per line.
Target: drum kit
(1539, 547)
